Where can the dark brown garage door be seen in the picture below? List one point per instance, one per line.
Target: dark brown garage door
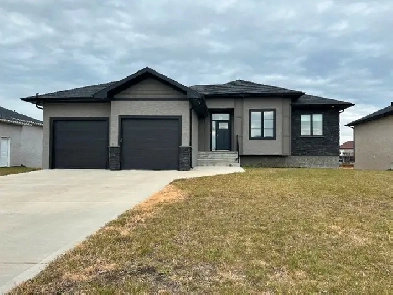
(150, 143)
(80, 144)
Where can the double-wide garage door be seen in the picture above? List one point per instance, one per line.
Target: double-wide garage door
(150, 143)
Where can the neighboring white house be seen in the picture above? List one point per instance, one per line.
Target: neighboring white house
(20, 140)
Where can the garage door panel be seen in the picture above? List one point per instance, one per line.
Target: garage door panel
(80, 144)
(151, 144)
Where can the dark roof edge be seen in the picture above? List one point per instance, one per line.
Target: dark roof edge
(37, 100)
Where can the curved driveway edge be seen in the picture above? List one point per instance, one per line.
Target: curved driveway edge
(45, 213)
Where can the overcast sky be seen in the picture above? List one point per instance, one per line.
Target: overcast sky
(337, 49)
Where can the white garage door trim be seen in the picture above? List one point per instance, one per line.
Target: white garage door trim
(5, 154)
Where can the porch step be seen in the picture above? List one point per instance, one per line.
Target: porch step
(217, 155)
(219, 158)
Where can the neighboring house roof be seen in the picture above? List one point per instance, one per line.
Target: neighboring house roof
(196, 94)
(12, 117)
(374, 116)
(350, 145)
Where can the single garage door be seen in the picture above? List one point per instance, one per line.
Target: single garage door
(80, 144)
(150, 143)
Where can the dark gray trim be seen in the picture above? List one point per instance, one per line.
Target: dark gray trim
(262, 124)
(311, 124)
(62, 99)
(142, 117)
(51, 135)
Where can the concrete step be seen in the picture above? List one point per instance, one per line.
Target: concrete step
(217, 155)
(217, 162)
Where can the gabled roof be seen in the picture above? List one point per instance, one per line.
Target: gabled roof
(12, 117)
(136, 78)
(350, 145)
(243, 88)
(312, 100)
(102, 92)
(388, 111)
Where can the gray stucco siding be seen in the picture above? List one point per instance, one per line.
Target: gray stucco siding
(267, 147)
(150, 108)
(52, 110)
(220, 103)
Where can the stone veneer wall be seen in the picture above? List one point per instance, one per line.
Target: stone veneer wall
(114, 158)
(290, 162)
(185, 158)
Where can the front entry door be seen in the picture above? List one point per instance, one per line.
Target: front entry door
(223, 135)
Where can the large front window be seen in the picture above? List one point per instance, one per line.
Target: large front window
(263, 124)
(312, 125)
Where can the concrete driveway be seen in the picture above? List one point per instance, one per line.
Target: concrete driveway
(45, 213)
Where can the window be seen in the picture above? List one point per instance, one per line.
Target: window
(263, 124)
(312, 125)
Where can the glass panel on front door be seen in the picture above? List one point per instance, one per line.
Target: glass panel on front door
(220, 132)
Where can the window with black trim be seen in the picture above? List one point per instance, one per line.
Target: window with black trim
(311, 125)
(263, 124)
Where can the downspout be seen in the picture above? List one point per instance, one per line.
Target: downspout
(36, 104)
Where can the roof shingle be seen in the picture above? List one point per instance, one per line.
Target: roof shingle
(318, 100)
(241, 87)
(13, 117)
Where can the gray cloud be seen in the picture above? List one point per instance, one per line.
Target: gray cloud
(337, 49)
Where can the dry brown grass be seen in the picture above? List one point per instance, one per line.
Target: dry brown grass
(264, 231)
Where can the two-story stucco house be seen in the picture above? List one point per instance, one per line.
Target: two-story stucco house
(373, 136)
(149, 121)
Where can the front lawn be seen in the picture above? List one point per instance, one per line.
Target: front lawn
(266, 230)
(15, 170)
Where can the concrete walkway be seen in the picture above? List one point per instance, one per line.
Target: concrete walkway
(45, 213)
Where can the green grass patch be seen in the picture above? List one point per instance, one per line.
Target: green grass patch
(15, 170)
(266, 230)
